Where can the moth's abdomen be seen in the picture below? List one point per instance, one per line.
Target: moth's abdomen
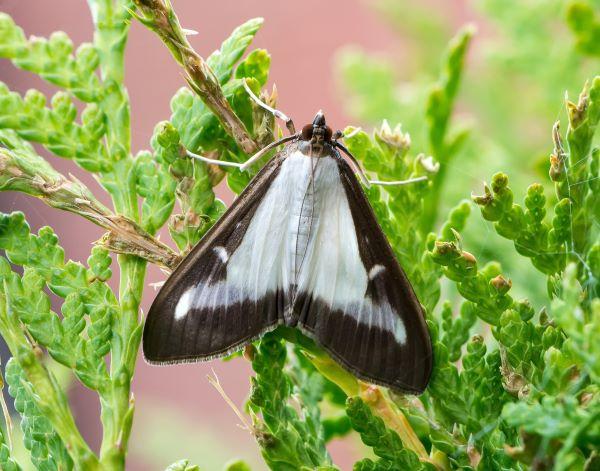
(303, 218)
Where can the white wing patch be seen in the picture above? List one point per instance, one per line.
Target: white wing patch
(376, 270)
(222, 253)
(302, 235)
(184, 304)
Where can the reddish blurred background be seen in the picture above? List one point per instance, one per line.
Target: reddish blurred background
(178, 414)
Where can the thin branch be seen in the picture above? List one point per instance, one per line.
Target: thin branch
(32, 175)
(214, 381)
(380, 404)
(158, 16)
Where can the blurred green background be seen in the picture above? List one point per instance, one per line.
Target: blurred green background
(525, 57)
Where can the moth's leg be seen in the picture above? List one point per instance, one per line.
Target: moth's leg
(363, 177)
(250, 161)
(359, 170)
(266, 149)
(220, 163)
(289, 124)
(398, 182)
(340, 134)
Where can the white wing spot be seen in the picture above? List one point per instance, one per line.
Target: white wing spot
(400, 332)
(184, 304)
(375, 270)
(222, 253)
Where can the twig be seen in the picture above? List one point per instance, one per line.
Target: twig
(124, 236)
(214, 381)
(158, 16)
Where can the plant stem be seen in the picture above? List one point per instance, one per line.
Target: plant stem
(439, 112)
(159, 17)
(117, 403)
(376, 398)
(36, 177)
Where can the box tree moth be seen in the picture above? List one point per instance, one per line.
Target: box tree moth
(300, 246)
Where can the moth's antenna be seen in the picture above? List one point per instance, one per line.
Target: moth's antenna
(363, 176)
(399, 182)
(289, 124)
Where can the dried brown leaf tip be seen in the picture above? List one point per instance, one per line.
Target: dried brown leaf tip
(558, 158)
(578, 112)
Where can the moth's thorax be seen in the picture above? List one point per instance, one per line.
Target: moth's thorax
(315, 139)
(315, 148)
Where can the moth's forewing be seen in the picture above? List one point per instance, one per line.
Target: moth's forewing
(391, 345)
(178, 329)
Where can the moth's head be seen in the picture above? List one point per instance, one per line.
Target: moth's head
(318, 130)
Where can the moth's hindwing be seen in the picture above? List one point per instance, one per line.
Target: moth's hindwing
(195, 316)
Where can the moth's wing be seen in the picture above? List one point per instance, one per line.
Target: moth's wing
(198, 314)
(359, 305)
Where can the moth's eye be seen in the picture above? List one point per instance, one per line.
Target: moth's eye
(328, 133)
(307, 132)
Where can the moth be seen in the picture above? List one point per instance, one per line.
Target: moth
(300, 246)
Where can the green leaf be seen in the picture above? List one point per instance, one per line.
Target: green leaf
(523, 343)
(446, 388)
(581, 327)
(584, 22)
(288, 440)
(442, 96)
(487, 289)
(237, 465)
(187, 180)
(47, 450)
(527, 228)
(68, 341)
(55, 127)
(255, 66)
(157, 186)
(456, 330)
(182, 465)
(7, 462)
(558, 418)
(52, 59)
(99, 263)
(443, 145)
(223, 60)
